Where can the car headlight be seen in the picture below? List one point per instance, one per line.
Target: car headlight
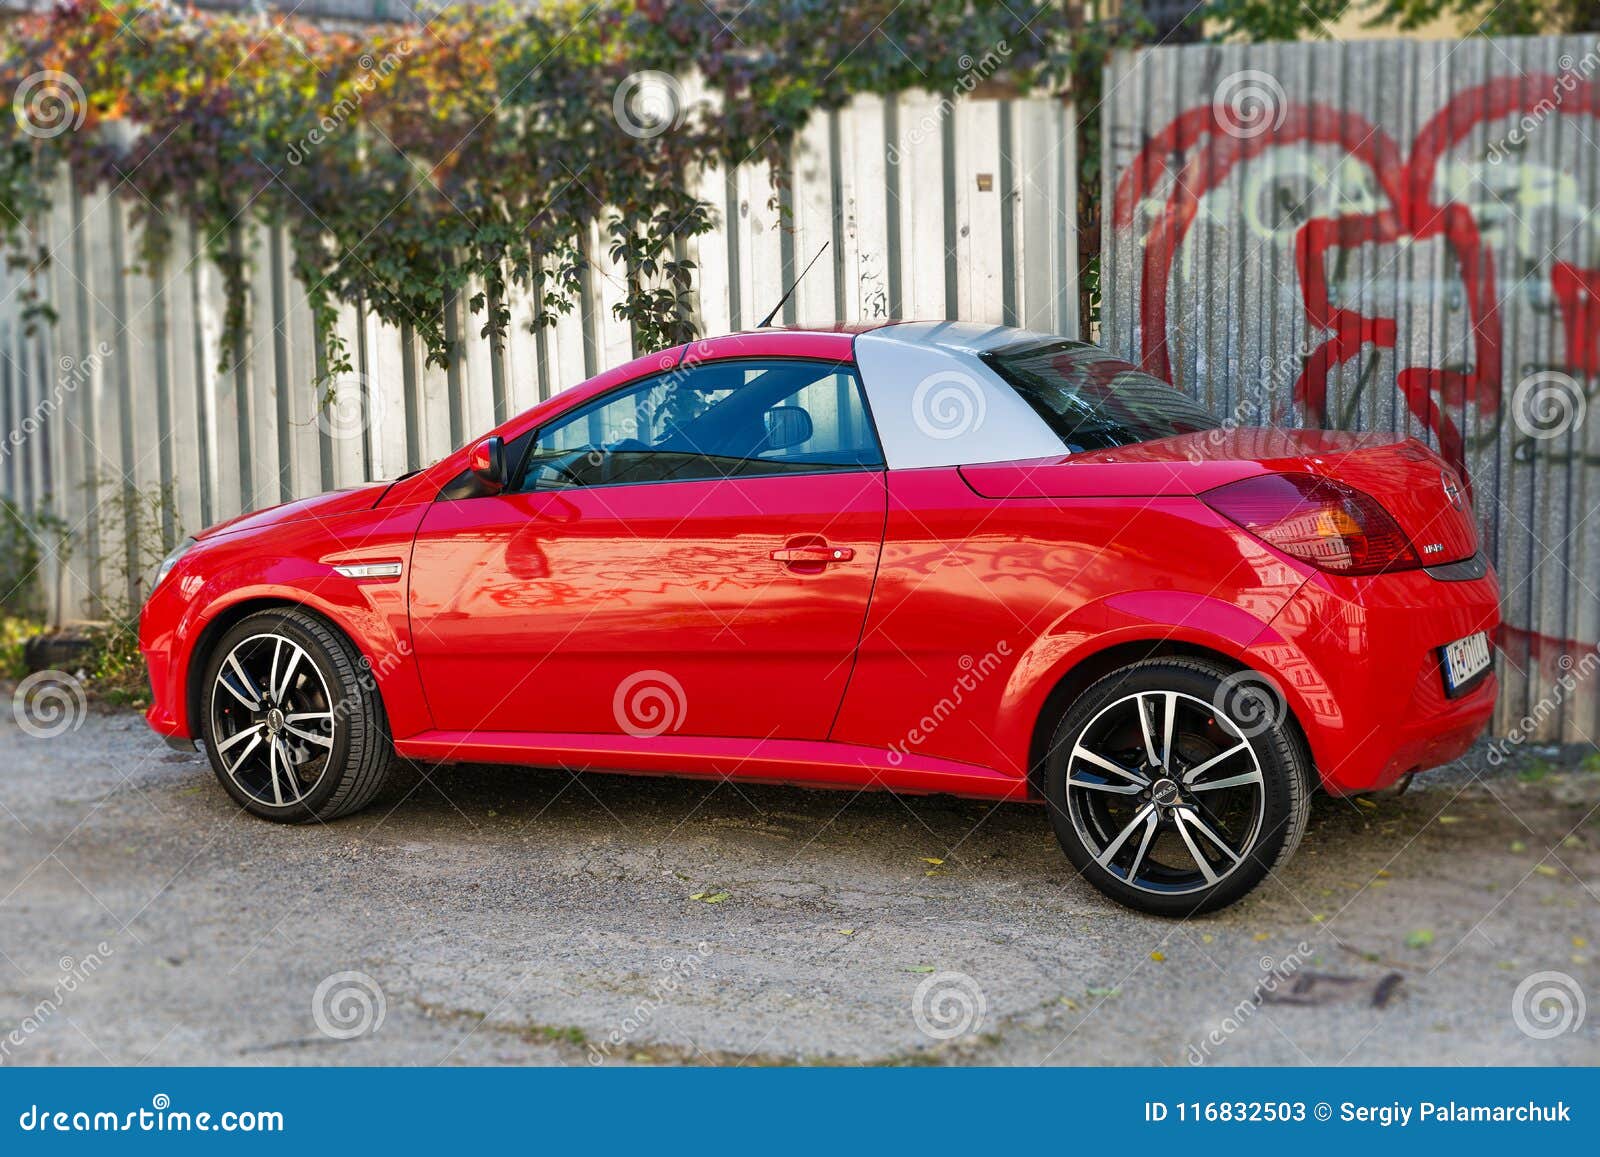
(171, 561)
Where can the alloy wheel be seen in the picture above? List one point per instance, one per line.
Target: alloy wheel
(1166, 792)
(272, 719)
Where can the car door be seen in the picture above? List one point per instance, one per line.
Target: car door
(691, 554)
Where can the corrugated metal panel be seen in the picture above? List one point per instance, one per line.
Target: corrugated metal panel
(1389, 236)
(893, 185)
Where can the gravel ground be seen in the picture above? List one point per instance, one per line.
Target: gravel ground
(504, 916)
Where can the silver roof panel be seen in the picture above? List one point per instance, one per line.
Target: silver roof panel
(936, 404)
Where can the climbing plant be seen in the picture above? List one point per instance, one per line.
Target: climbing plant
(411, 165)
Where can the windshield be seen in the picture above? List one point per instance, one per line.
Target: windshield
(1093, 401)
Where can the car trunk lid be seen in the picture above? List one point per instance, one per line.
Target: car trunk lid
(1424, 495)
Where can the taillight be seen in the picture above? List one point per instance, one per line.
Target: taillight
(1321, 521)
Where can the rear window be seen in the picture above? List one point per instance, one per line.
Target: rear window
(1093, 401)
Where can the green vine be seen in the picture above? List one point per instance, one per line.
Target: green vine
(490, 149)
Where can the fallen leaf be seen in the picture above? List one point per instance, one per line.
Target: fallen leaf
(920, 968)
(1259, 936)
(1546, 870)
(1449, 819)
(1580, 942)
(934, 860)
(1363, 801)
(847, 931)
(1105, 992)
(710, 897)
(1518, 846)
(1158, 956)
(1420, 938)
(1206, 938)
(1068, 1002)
(1383, 873)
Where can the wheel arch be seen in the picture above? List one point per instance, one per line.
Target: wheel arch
(1091, 668)
(218, 626)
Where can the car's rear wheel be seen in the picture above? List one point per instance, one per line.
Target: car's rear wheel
(292, 720)
(1176, 786)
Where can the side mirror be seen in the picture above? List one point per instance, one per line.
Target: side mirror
(487, 460)
(787, 426)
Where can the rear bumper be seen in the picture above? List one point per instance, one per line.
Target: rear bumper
(1359, 661)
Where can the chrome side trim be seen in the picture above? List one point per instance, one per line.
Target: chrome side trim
(369, 570)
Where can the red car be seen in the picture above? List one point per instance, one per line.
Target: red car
(928, 557)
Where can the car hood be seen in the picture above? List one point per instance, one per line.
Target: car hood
(330, 505)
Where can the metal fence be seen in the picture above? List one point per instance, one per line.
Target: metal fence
(930, 208)
(1398, 236)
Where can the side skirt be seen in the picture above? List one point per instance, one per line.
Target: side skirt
(801, 762)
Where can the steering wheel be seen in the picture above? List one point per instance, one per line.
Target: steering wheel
(566, 466)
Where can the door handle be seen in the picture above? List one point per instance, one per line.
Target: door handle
(813, 554)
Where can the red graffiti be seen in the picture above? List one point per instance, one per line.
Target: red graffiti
(1406, 183)
(1578, 292)
(1552, 656)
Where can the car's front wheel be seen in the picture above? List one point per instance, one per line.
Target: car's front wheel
(292, 720)
(1176, 786)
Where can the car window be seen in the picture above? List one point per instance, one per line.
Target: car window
(719, 420)
(1093, 401)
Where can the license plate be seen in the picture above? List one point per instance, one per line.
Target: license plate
(1465, 661)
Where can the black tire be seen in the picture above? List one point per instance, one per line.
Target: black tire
(347, 756)
(1167, 863)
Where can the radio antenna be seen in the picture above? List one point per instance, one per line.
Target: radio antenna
(782, 301)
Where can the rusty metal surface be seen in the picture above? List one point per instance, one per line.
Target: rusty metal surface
(1389, 236)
